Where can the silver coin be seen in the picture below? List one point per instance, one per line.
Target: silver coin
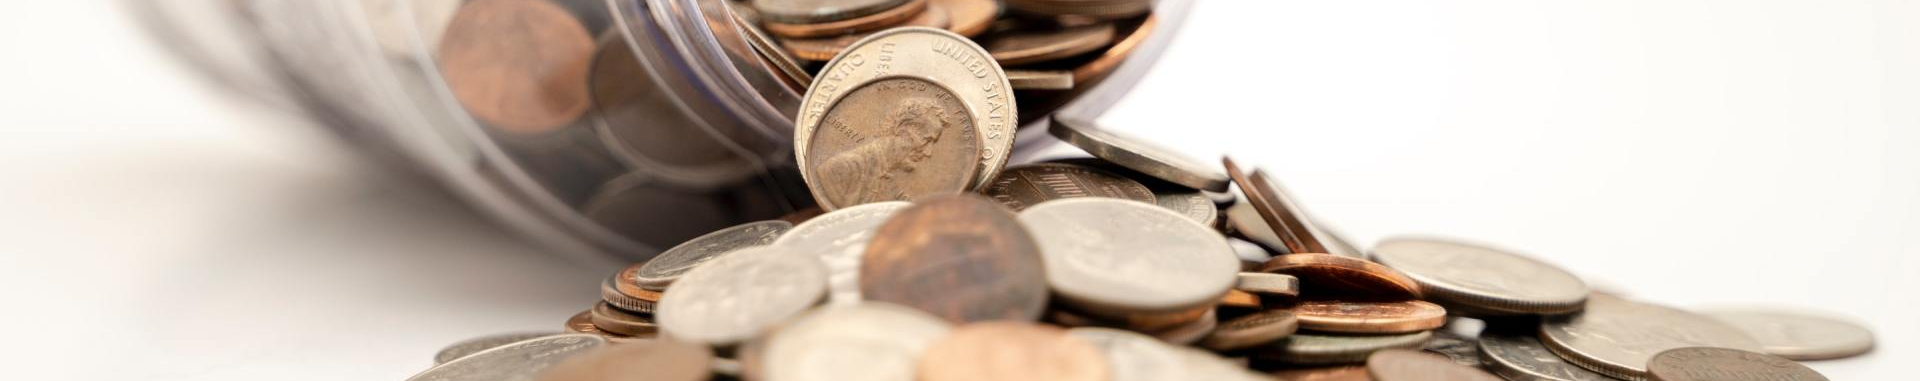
(1523, 358)
(477, 344)
(1268, 284)
(1799, 336)
(1483, 279)
(1187, 202)
(839, 238)
(1309, 349)
(662, 270)
(1136, 357)
(1112, 256)
(869, 341)
(519, 361)
(1139, 155)
(1616, 337)
(740, 295)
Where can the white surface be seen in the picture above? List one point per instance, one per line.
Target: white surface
(1692, 153)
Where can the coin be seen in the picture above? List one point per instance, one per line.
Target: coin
(619, 322)
(1331, 276)
(1012, 351)
(517, 361)
(961, 257)
(877, 21)
(1240, 299)
(1136, 357)
(822, 48)
(1040, 79)
(1797, 335)
(1617, 337)
(1482, 278)
(1340, 373)
(1252, 330)
(1715, 364)
(1113, 257)
(1265, 196)
(1370, 317)
(1138, 154)
(1022, 186)
(660, 360)
(518, 65)
(663, 269)
(1192, 331)
(839, 238)
(1309, 349)
(1031, 45)
(819, 11)
(622, 290)
(477, 344)
(740, 295)
(1268, 284)
(1521, 357)
(865, 341)
(1412, 365)
(970, 17)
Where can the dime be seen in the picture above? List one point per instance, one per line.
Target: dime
(1340, 373)
(1617, 337)
(866, 341)
(1240, 299)
(1112, 257)
(1268, 284)
(820, 11)
(477, 344)
(623, 290)
(1328, 276)
(517, 361)
(663, 269)
(518, 65)
(839, 239)
(619, 322)
(1138, 154)
(1025, 46)
(1251, 330)
(1482, 278)
(660, 360)
(1521, 357)
(1040, 79)
(1136, 357)
(1716, 364)
(740, 295)
(1412, 365)
(1799, 336)
(1306, 349)
(960, 257)
(1190, 332)
(823, 48)
(1012, 351)
(899, 145)
(1288, 223)
(1022, 186)
(1370, 317)
(970, 17)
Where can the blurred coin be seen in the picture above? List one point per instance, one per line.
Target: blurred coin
(1798, 335)
(477, 344)
(970, 17)
(517, 361)
(1023, 186)
(1312, 349)
(622, 290)
(865, 341)
(822, 48)
(1339, 373)
(1012, 351)
(1617, 337)
(961, 257)
(819, 11)
(1040, 79)
(1412, 365)
(868, 23)
(1288, 222)
(1717, 364)
(1483, 278)
(740, 295)
(1138, 155)
(1032, 45)
(1370, 317)
(1136, 357)
(518, 65)
(619, 322)
(660, 360)
(1328, 276)
(663, 269)
(1521, 357)
(1252, 330)
(1203, 365)
(1268, 284)
(839, 239)
(1114, 257)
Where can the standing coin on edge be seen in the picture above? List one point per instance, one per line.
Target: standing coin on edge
(1799, 336)
(1328, 276)
(1023, 186)
(1370, 317)
(1412, 365)
(517, 361)
(1116, 258)
(1720, 364)
(663, 269)
(477, 344)
(1304, 349)
(740, 295)
(1521, 357)
(866, 342)
(1139, 155)
(961, 257)
(661, 360)
(839, 238)
(1617, 337)
(1483, 279)
(1012, 351)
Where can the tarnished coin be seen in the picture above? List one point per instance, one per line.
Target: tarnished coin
(1114, 257)
(1483, 279)
(521, 360)
(1370, 317)
(1023, 186)
(1617, 337)
(1328, 276)
(970, 17)
(822, 48)
(1012, 351)
(619, 322)
(1719, 364)
(1412, 365)
(1252, 330)
(961, 257)
(1040, 79)
(839, 239)
(740, 295)
(820, 11)
(1289, 224)
(663, 269)
(1136, 357)
(865, 341)
(1138, 155)
(1268, 284)
(1521, 357)
(477, 344)
(1032, 45)
(623, 290)
(660, 360)
(1192, 331)
(1798, 335)
(1338, 373)
(518, 65)
(1308, 349)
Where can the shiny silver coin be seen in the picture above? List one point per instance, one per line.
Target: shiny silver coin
(1799, 336)
(1114, 257)
(662, 270)
(1140, 155)
(839, 238)
(1308, 349)
(866, 341)
(1268, 284)
(1617, 337)
(1483, 279)
(1523, 358)
(477, 344)
(521, 360)
(740, 295)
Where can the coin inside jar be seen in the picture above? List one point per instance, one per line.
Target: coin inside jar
(1022, 186)
(1482, 278)
(1328, 276)
(1412, 365)
(518, 65)
(663, 269)
(1370, 317)
(1012, 351)
(740, 295)
(1713, 364)
(1115, 257)
(960, 257)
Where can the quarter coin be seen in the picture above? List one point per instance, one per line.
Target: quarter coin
(1482, 278)
(960, 257)
(1715, 364)
(1138, 155)
(1023, 186)
(839, 239)
(1413, 365)
(1188, 202)
(740, 295)
(521, 360)
(1115, 257)
(663, 269)
(658, 360)
(1328, 276)
(1012, 351)
(1252, 330)
(820, 11)
(1032, 45)
(865, 341)
(1617, 338)
(1370, 317)
(1309, 349)
(477, 344)
(518, 65)
(1798, 335)
(1521, 357)
(1268, 284)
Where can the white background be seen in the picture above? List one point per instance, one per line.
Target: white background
(1694, 153)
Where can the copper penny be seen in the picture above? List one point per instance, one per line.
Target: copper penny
(518, 65)
(1719, 364)
(1413, 365)
(1370, 317)
(1340, 373)
(959, 257)
(970, 17)
(658, 360)
(818, 11)
(1025, 46)
(1240, 299)
(1278, 210)
(887, 18)
(619, 322)
(825, 47)
(1328, 276)
(1251, 330)
(1012, 351)
(1022, 186)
